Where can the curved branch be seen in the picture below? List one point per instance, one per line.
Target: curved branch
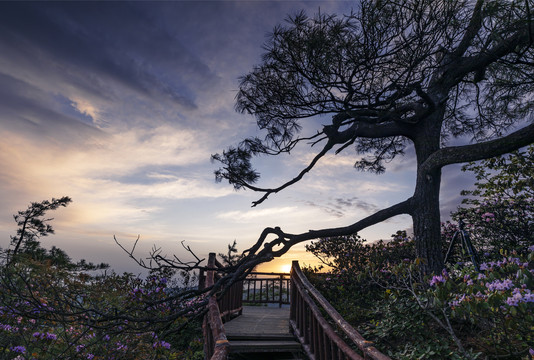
(346, 137)
(307, 169)
(286, 241)
(458, 69)
(484, 150)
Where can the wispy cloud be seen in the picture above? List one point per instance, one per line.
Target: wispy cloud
(254, 214)
(341, 207)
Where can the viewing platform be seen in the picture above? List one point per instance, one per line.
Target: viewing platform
(291, 326)
(262, 329)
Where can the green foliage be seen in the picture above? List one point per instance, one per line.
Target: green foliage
(352, 253)
(459, 314)
(500, 211)
(53, 308)
(232, 256)
(31, 227)
(31, 224)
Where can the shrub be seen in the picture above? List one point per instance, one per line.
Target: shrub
(354, 254)
(59, 314)
(459, 314)
(500, 210)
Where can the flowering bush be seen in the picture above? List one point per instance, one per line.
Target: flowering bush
(457, 314)
(500, 210)
(52, 313)
(497, 303)
(53, 308)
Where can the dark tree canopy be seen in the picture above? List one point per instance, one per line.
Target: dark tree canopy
(390, 74)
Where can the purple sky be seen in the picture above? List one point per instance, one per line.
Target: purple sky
(120, 105)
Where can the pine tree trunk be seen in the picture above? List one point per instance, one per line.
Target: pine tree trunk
(426, 222)
(426, 215)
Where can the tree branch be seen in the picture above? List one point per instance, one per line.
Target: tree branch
(472, 30)
(286, 241)
(458, 69)
(346, 137)
(307, 169)
(484, 150)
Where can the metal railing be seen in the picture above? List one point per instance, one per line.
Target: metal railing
(318, 338)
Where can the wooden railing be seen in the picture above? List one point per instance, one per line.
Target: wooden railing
(318, 338)
(267, 288)
(216, 346)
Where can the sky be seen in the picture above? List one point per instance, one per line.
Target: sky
(119, 105)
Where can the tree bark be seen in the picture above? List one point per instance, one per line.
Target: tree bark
(426, 221)
(426, 215)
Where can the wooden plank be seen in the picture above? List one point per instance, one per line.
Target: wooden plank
(264, 346)
(261, 330)
(258, 321)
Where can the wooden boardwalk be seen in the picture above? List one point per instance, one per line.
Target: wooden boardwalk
(262, 329)
(270, 333)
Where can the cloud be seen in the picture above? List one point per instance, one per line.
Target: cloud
(108, 155)
(180, 188)
(140, 65)
(121, 176)
(341, 207)
(25, 108)
(85, 107)
(254, 214)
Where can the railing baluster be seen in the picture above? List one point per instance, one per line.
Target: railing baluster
(320, 345)
(306, 328)
(315, 336)
(254, 297)
(327, 347)
(307, 325)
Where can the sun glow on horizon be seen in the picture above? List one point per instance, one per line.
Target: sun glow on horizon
(286, 268)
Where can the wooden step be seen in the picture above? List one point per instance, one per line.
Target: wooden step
(261, 337)
(264, 356)
(253, 346)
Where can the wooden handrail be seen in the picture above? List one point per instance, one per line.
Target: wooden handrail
(319, 340)
(216, 346)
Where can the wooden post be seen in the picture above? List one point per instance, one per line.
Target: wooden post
(220, 345)
(292, 293)
(280, 291)
(201, 279)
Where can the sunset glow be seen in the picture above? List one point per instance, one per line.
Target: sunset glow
(124, 120)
